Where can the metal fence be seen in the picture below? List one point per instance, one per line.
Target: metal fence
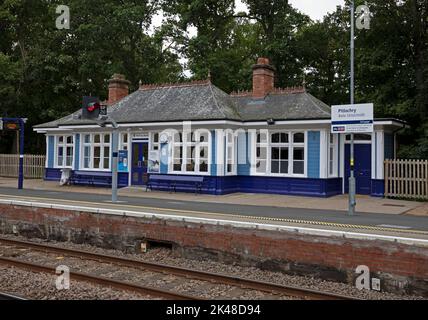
(34, 165)
(406, 179)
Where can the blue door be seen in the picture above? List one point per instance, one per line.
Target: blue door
(363, 168)
(140, 152)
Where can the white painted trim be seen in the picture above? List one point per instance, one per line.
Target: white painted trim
(374, 155)
(47, 151)
(214, 122)
(324, 145)
(219, 139)
(380, 156)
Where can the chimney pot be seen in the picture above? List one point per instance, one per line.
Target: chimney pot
(263, 78)
(118, 88)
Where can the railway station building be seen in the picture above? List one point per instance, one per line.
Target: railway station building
(267, 140)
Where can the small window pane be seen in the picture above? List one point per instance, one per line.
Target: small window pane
(97, 138)
(261, 153)
(156, 137)
(203, 137)
(275, 154)
(284, 137)
(178, 137)
(87, 138)
(262, 137)
(203, 166)
(284, 153)
(298, 154)
(178, 152)
(61, 139)
(275, 166)
(284, 166)
(69, 139)
(106, 138)
(299, 137)
(203, 152)
(275, 138)
(298, 167)
(261, 166)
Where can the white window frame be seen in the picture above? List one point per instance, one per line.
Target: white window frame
(184, 144)
(153, 143)
(230, 143)
(65, 146)
(91, 144)
(291, 145)
(123, 144)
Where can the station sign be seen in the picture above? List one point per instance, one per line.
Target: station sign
(352, 118)
(8, 125)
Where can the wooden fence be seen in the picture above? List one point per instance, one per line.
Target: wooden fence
(406, 179)
(34, 165)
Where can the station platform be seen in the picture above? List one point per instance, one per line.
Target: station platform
(388, 218)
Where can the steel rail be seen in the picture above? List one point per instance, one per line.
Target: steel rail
(8, 296)
(194, 274)
(79, 276)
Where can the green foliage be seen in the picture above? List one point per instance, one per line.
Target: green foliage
(44, 71)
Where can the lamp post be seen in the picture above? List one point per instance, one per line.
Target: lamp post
(352, 202)
(115, 146)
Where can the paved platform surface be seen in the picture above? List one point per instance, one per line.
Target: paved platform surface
(365, 204)
(373, 223)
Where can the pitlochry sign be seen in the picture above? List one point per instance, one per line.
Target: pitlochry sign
(352, 118)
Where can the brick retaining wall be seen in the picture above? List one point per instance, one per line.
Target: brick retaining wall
(402, 268)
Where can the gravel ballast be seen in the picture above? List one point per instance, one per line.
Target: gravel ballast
(166, 256)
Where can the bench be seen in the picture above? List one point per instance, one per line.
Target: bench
(171, 181)
(91, 178)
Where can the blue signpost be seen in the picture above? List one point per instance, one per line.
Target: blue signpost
(21, 123)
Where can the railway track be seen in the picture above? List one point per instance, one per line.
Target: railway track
(8, 296)
(267, 287)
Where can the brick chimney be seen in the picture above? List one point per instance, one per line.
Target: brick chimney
(263, 78)
(118, 88)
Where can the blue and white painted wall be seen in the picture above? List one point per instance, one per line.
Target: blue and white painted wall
(282, 160)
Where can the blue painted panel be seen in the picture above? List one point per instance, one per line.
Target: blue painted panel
(52, 174)
(244, 154)
(55, 175)
(378, 188)
(362, 168)
(268, 185)
(389, 146)
(51, 151)
(213, 154)
(76, 151)
(164, 158)
(314, 141)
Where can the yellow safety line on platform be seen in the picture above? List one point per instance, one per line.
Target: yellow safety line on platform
(308, 222)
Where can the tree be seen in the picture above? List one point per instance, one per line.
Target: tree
(45, 71)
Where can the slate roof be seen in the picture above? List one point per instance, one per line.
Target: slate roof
(289, 106)
(204, 101)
